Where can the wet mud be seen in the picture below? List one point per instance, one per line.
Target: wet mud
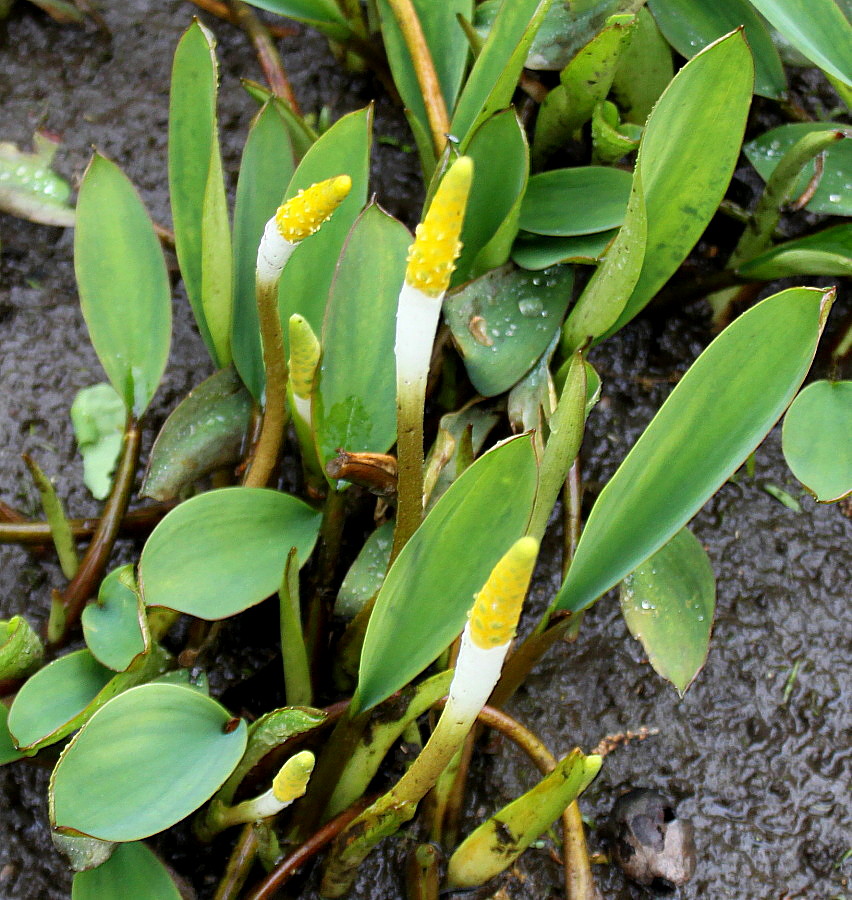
(762, 772)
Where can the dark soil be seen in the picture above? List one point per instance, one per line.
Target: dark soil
(763, 776)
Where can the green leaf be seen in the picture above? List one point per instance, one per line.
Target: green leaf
(366, 574)
(817, 439)
(29, 189)
(497, 843)
(98, 416)
(501, 167)
(429, 590)
(204, 433)
(21, 649)
(584, 82)
(267, 166)
(447, 44)
(143, 762)
(715, 417)
(690, 25)
(324, 15)
(8, 751)
(342, 150)
(197, 189)
(687, 156)
(132, 871)
(818, 28)
(668, 603)
(116, 627)
(566, 202)
(536, 252)
(610, 138)
(495, 73)
(355, 397)
(607, 291)
(644, 70)
(832, 195)
(828, 252)
(503, 322)
(223, 551)
(50, 703)
(123, 283)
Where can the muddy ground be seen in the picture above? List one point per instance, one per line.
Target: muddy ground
(763, 776)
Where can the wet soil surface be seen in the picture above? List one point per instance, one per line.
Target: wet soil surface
(762, 772)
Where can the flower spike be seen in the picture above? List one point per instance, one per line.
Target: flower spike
(432, 257)
(304, 356)
(291, 782)
(304, 214)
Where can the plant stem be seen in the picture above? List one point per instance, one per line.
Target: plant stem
(276, 879)
(271, 437)
(84, 583)
(267, 54)
(758, 233)
(424, 68)
(572, 505)
(221, 11)
(239, 865)
(21, 531)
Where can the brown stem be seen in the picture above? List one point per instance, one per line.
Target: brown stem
(572, 503)
(239, 865)
(221, 11)
(424, 69)
(20, 530)
(84, 583)
(289, 866)
(267, 54)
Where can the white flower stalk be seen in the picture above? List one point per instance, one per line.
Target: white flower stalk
(485, 642)
(289, 784)
(304, 359)
(298, 218)
(431, 262)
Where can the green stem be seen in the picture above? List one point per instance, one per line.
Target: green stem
(84, 584)
(60, 530)
(409, 509)
(297, 671)
(275, 406)
(758, 233)
(422, 873)
(239, 865)
(424, 69)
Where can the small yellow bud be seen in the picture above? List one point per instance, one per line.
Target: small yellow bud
(292, 780)
(304, 355)
(497, 606)
(432, 257)
(304, 214)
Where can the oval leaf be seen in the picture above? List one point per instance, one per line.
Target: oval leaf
(267, 166)
(668, 604)
(197, 190)
(429, 590)
(204, 433)
(366, 574)
(585, 200)
(132, 871)
(355, 400)
(503, 322)
(817, 439)
(686, 158)
(123, 283)
(536, 252)
(817, 28)
(690, 25)
(143, 762)
(223, 551)
(832, 195)
(324, 15)
(116, 627)
(715, 417)
(828, 252)
(55, 696)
